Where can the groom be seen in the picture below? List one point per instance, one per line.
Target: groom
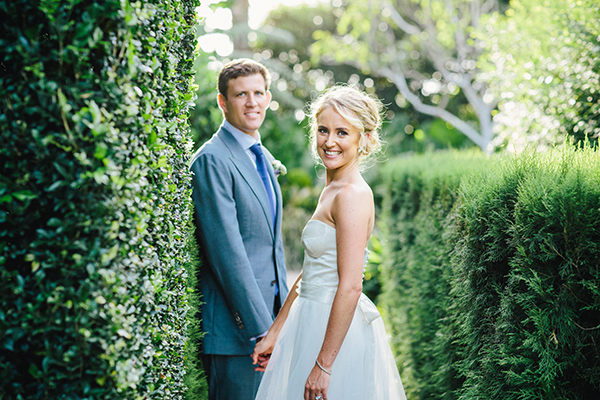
(238, 218)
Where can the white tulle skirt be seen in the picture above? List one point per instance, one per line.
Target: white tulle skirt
(363, 370)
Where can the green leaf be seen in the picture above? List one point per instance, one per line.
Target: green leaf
(54, 186)
(35, 372)
(101, 151)
(24, 195)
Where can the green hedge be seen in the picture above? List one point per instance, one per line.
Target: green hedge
(416, 268)
(94, 198)
(491, 277)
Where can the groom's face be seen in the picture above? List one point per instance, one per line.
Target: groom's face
(246, 103)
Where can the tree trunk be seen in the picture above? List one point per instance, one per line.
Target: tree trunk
(240, 30)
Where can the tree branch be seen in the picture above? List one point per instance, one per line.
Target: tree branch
(398, 78)
(401, 22)
(489, 6)
(392, 62)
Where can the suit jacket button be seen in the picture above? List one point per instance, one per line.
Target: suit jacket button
(238, 320)
(273, 283)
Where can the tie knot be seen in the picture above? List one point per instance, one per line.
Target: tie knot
(256, 149)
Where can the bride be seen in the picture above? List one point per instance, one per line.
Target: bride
(328, 341)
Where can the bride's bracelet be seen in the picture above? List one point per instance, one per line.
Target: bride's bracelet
(322, 369)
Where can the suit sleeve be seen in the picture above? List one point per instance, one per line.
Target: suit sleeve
(223, 244)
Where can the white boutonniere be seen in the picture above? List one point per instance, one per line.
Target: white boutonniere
(279, 168)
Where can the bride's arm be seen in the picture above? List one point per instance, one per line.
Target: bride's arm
(264, 347)
(352, 211)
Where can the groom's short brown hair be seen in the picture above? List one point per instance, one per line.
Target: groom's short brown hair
(241, 67)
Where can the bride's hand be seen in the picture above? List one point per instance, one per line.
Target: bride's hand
(316, 385)
(262, 352)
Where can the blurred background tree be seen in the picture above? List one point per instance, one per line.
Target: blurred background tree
(425, 49)
(205, 117)
(542, 60)
(303, 75)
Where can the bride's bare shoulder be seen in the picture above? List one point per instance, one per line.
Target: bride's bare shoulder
(353, 200)
(357, 191)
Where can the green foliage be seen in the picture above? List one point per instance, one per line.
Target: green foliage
(194, 378)
(481, 260)
(445, 134)
(296, 69)
(416, 268)
(300, 200)
(527, 278)
(372, 274)
(94, 198)
(554, 280)
(287, 139)
(491, 274)
(205, 116)
(541, 58)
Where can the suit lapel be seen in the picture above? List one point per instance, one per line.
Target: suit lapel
(246, 168)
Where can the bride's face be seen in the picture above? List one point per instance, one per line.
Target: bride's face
(337, 140)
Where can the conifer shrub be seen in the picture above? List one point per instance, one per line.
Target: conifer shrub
(416, 268)
(95, 212)
(491, 274)
(544, 338)
(481, 257)
(554, 283)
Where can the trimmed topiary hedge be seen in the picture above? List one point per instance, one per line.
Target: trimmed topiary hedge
(526, 278)
(491, 277)
(94, 198)
(416, 267)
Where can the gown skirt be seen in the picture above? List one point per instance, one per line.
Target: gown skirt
(364, 368)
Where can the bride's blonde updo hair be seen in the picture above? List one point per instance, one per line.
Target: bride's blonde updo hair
(360, 109)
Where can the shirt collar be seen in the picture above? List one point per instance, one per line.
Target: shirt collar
(245, 140)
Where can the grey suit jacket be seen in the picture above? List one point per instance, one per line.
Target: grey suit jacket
(241, 250)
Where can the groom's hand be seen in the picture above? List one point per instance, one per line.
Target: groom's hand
(261, 354)
(262, 362)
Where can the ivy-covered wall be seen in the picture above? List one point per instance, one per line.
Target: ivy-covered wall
(491, 272)
(94, 197)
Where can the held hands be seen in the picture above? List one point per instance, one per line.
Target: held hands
(316, 384)
(262, 352)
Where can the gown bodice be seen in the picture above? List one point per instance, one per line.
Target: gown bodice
(319, 272)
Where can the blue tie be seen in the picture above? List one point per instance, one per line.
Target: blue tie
(261, 167)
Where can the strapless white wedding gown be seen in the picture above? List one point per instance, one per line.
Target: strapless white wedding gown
(364, 368)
